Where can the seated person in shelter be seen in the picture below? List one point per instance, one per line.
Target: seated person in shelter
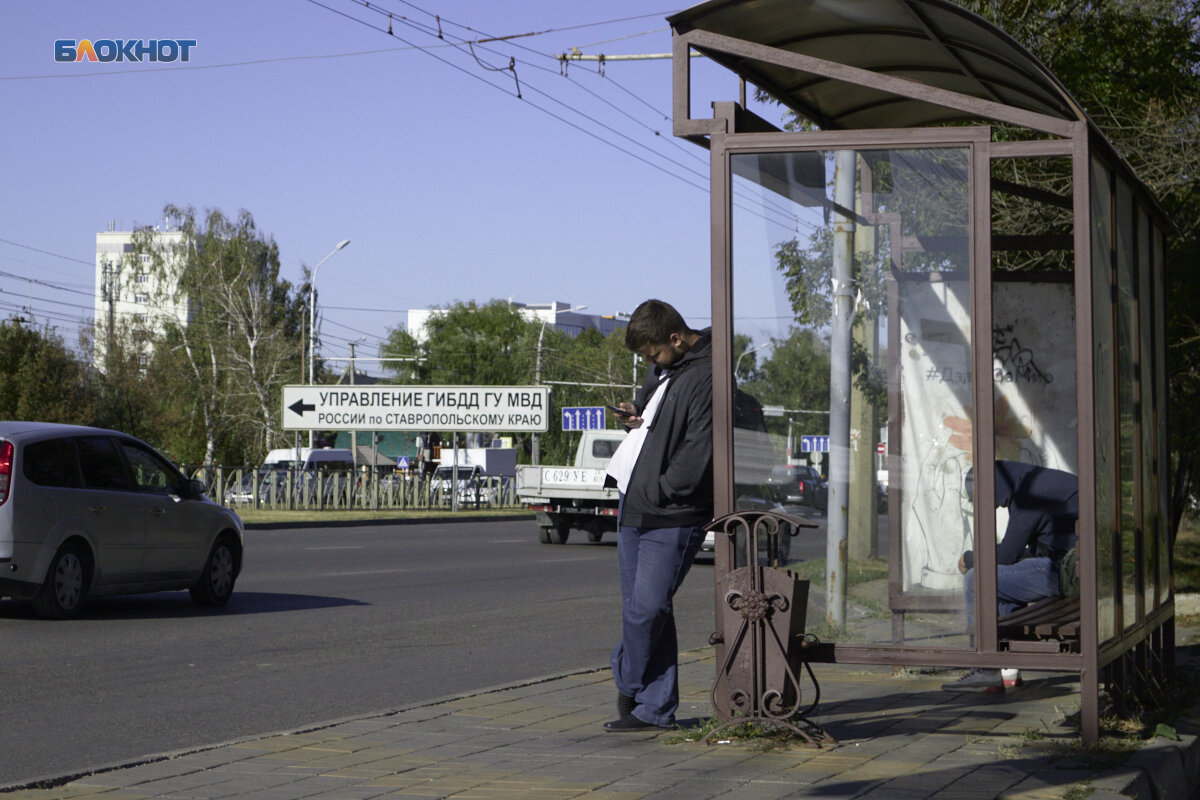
(1043, 506)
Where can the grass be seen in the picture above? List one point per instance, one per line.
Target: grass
(1187, 556)
(260, 516)
(857, 572)
(1080, 791)
(761, 737)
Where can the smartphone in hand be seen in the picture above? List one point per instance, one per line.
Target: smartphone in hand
(621, 412)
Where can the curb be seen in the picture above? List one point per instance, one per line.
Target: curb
(1188, 604)
(1158, 770)
(362, 523)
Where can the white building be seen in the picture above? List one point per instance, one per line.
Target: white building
(558, 314)
(130, 299)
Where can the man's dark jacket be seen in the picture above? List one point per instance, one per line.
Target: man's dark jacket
(672, 481)
(1043, 507)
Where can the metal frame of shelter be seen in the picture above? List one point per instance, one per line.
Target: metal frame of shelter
(881, 75)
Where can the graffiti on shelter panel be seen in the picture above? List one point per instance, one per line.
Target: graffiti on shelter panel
(1033, 354)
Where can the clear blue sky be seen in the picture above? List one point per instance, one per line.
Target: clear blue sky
(325, 128)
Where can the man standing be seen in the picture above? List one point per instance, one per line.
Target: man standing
(663, 470)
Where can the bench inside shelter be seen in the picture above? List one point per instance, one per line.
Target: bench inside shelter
(1050, 624)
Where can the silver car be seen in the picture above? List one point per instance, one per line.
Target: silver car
(88, 512)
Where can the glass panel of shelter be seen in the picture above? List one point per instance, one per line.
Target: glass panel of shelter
(1105, 406)
(1158, 242)
(1035, 380)
(1149, 519)
(852, 333)
(1128, 463)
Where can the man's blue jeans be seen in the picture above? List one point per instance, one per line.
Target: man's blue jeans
(645, 665)
(1017, 585)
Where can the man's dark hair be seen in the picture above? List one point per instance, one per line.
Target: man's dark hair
(653, 322)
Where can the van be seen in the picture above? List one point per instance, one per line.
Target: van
(329, 458)
(286, 457)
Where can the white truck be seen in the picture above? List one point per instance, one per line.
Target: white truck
(566, 497)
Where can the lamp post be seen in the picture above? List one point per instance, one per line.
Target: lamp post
(312, 321)
(537, 372)
(745, 353)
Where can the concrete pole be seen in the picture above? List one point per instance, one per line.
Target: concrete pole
(537, 380)
(839, 389)
(864, 506)
(354, 433)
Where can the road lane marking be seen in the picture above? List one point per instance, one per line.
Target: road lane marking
(364, 572)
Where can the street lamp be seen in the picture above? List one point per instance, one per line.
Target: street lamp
(537, 369)
(312, 321)
(745, 353)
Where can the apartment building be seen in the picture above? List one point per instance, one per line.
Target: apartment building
(131, 300)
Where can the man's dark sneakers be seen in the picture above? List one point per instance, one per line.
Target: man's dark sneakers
(632, 724)
(625, 705)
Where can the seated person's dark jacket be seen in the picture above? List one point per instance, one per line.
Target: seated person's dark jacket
(1043, 506)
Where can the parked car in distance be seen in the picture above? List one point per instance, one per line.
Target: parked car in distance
(473, 486)
(88, 512)
(269, 483)
(798, 483)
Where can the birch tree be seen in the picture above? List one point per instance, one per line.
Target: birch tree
(231, 326)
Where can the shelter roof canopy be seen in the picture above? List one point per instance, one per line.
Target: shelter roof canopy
(930, 43)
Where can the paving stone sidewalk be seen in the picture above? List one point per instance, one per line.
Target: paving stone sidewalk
(898, 738)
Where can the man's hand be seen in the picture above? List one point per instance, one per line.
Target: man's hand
(633, 420)
(962, 563)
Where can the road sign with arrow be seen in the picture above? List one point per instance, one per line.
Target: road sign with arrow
(416, 408)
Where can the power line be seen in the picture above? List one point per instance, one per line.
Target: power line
(47, 252)
(785, 217)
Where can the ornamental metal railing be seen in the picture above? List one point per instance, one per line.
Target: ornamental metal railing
(346, 489)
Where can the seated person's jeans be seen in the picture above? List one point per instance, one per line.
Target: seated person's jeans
(1017, 585)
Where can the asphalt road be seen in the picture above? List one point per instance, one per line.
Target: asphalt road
(325, 623)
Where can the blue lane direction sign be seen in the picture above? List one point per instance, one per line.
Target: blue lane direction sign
(814, 444)
(583, 418)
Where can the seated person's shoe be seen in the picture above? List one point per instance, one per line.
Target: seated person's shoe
(631, 724)
(984, 681)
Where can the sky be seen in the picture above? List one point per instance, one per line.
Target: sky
(415, 147)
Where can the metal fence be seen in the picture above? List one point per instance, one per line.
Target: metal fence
(332, 490)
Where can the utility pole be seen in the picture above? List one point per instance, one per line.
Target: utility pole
(109, 286)
(537, 379)
(841, 334)
(353, 433)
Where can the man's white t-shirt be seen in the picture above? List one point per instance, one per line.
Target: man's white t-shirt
(623, 460)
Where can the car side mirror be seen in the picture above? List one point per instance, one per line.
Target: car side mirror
(196, 489)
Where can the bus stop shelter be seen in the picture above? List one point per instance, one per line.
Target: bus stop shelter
(947, 213)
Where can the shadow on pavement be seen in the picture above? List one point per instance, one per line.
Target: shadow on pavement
(176, 605)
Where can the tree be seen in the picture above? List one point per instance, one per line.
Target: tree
(494, 344)
(119, 390)
(240, 341)
(39, 379)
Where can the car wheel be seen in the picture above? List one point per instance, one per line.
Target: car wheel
(64, 591)
(595, 537)
(215, 585)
